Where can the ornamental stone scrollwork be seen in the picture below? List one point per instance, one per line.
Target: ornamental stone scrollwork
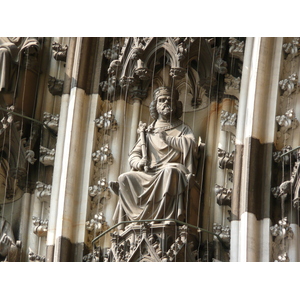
(43, 191)
(51, 121)
(292, 49)
(282, 233)
(97, 224)
(103, 155)
(107, 121)
(223, 195)
(228, 121)
(32, 257)
(232, 85)
(289, 85)
(59, 51)
(55, 86)
(40, 226)
(225, 159)
(47, 156)
(236, 49)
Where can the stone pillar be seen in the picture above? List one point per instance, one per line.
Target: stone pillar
(58, 163)
(250, 235)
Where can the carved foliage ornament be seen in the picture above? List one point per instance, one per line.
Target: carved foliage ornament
(223, 195)
(289, 85)
(236, 49)
(228, 121)
(107, 121)
(103, 155)
(282, 232)
(292, 48)
(59, 51)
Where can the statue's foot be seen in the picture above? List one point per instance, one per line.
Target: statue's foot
(114, 186)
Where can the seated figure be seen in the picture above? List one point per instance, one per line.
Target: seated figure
(162, 161)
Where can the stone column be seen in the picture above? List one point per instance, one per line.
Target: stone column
(58, 163)
(250, 236)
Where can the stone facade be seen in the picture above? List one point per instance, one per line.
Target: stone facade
(70, 111)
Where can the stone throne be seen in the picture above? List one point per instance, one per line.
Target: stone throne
(162, 241)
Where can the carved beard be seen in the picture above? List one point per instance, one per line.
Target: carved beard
(164, 109)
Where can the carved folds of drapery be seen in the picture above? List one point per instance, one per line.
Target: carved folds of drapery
(14, 52)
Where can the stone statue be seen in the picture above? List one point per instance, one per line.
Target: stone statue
(292, 186)
(7, 240)
(163, 161)
(11, 50)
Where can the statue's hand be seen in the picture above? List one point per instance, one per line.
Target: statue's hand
(142, 163)
(6, 240)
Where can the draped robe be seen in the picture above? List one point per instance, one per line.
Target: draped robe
(159, 192)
